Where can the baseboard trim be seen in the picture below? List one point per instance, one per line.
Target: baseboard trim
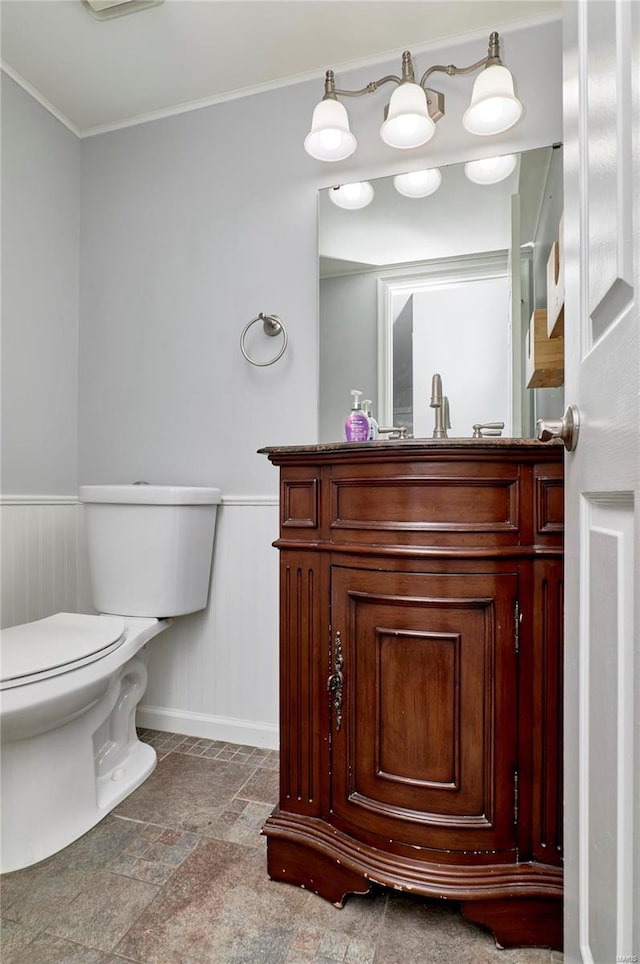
(248, 732)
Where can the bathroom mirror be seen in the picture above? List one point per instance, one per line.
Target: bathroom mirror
(445, 283)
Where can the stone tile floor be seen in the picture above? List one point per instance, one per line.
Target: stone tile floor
(177, 875)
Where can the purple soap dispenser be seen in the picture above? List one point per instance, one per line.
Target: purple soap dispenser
(356, 425)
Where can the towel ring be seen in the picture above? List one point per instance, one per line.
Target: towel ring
(272, 325)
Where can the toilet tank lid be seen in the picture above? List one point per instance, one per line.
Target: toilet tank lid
(145, 494)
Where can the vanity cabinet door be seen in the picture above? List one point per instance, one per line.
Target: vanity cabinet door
(424, 753)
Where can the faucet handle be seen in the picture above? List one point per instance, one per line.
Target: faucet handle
(393, 431)
(446, 416)
(484, 429)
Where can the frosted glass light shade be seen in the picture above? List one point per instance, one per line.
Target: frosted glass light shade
(494, 107)
(490, 170)
(352, 196)
(408, 123)
(418, 183)
(330, 138)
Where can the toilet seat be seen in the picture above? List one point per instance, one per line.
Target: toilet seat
(57, 644)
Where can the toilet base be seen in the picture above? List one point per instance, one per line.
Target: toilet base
(27, 842)
(125, 778)
(58, 784)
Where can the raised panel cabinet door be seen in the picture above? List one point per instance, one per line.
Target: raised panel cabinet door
(424, 744)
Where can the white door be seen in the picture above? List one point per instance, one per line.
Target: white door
(602, 621)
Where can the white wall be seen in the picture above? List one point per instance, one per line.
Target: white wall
(40, 251)
(40, 237)
(190, 226)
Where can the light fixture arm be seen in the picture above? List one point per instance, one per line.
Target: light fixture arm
(408, 74)
(493, 57)
(371, 87)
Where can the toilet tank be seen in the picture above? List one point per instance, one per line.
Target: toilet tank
(150, 547)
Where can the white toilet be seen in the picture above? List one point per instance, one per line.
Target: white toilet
(71, 683)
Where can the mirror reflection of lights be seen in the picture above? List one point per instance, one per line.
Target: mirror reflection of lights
(490, 170)
(418, 183)
(352, 196)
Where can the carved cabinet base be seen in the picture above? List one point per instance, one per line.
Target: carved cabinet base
(306, 853)
(319, 872)
(520, 921)
(420, 678)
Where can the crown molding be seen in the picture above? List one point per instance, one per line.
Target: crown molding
(40, 98)
(311, 75)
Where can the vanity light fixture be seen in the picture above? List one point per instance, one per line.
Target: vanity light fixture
(414, 108)
(352, 196)
(407, 123)
(494, 107)
(490, 170)
(418, 183)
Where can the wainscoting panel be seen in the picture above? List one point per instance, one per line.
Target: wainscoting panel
(39, 557)
(214, 674)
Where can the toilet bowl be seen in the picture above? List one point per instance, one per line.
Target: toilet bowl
(71, 682)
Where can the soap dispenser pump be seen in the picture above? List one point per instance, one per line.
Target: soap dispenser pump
(356, 425)
(373, 424)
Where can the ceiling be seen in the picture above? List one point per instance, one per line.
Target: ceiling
(96, 75)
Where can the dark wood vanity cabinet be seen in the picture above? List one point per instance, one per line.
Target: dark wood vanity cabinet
(421, 683)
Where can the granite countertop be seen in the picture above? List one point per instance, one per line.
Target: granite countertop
(410, 445)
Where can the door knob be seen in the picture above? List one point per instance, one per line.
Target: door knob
(567, 428)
